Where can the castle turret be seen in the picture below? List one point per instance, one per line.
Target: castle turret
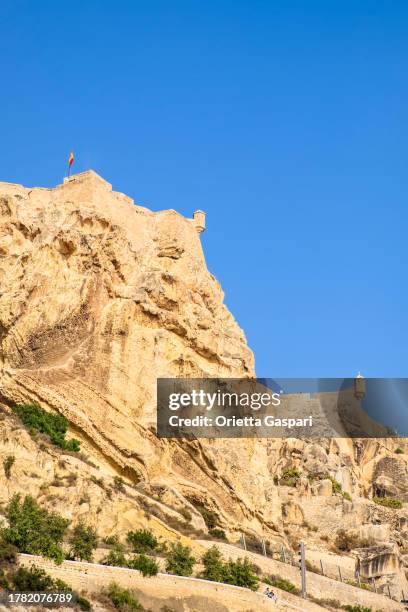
(199, 220)
(359, 386)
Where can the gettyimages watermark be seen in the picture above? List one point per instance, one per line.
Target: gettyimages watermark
(279, 408)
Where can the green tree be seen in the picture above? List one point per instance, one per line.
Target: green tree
(214, 566)
(83, 541)
(34, 530)
(180, 561)
(145, 565)
(142, 541)
(241, 573)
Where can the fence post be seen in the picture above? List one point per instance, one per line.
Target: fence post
(321, 567)
(243, 541)
(341, 577)
(263, 547)
(359, 579)
(374, 585)
(303, 568)
(389, 591)
(403, 596)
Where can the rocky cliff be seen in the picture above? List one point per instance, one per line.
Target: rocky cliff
(99, 297)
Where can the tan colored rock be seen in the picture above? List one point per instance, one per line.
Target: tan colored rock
(325, 488)
(100, 297)
(378, 561)
(292, 513)
(375, 533)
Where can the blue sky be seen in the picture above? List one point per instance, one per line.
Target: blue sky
(285, 121)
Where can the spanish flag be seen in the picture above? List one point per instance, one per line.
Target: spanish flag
(71, 159)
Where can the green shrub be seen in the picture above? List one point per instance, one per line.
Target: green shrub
(142, 563)
(54, 426)
(36, 579)
(98, 481)
(116, 557)
(283, 584)
(219, 534)
(291, 473)
(112, 540)
(34, 530)
(337, 488)
(325, 602)
(83, 603)
(214, 566)
(180, 561)
(346, 495)
(289, 477)
(388, 502)
(145, 565)
(8, 464)
(357, 608)
(142, 541)
(345, 541)
(32, 579)
(8, 553)
(185, 512)
(362, 585)
(210, 517)
(119, 484)
(399, 451)
(241, 573)
(83, 541)
(122, 599)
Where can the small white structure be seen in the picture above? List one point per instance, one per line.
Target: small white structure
(199, 220)
(359, 386)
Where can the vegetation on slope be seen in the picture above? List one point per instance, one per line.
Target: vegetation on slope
(32, 579)
(34, 530)
(388, 502)
(83, 541)
(239, 573)
(122, 599)
(54, 426)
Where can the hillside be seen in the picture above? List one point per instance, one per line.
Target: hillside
(99, 297)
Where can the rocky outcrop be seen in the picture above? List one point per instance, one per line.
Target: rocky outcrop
(100, 297)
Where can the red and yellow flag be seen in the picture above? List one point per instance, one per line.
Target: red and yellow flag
(71, 159)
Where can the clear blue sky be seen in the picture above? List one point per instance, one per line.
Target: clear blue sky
(285, 121)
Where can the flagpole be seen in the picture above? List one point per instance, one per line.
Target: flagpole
(70, 161)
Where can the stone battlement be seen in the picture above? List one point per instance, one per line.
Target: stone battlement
(90, 187)
(89, 176)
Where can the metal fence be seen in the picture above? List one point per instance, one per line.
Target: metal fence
(330, 570)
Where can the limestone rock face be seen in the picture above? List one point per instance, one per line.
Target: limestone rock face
(100, 297)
